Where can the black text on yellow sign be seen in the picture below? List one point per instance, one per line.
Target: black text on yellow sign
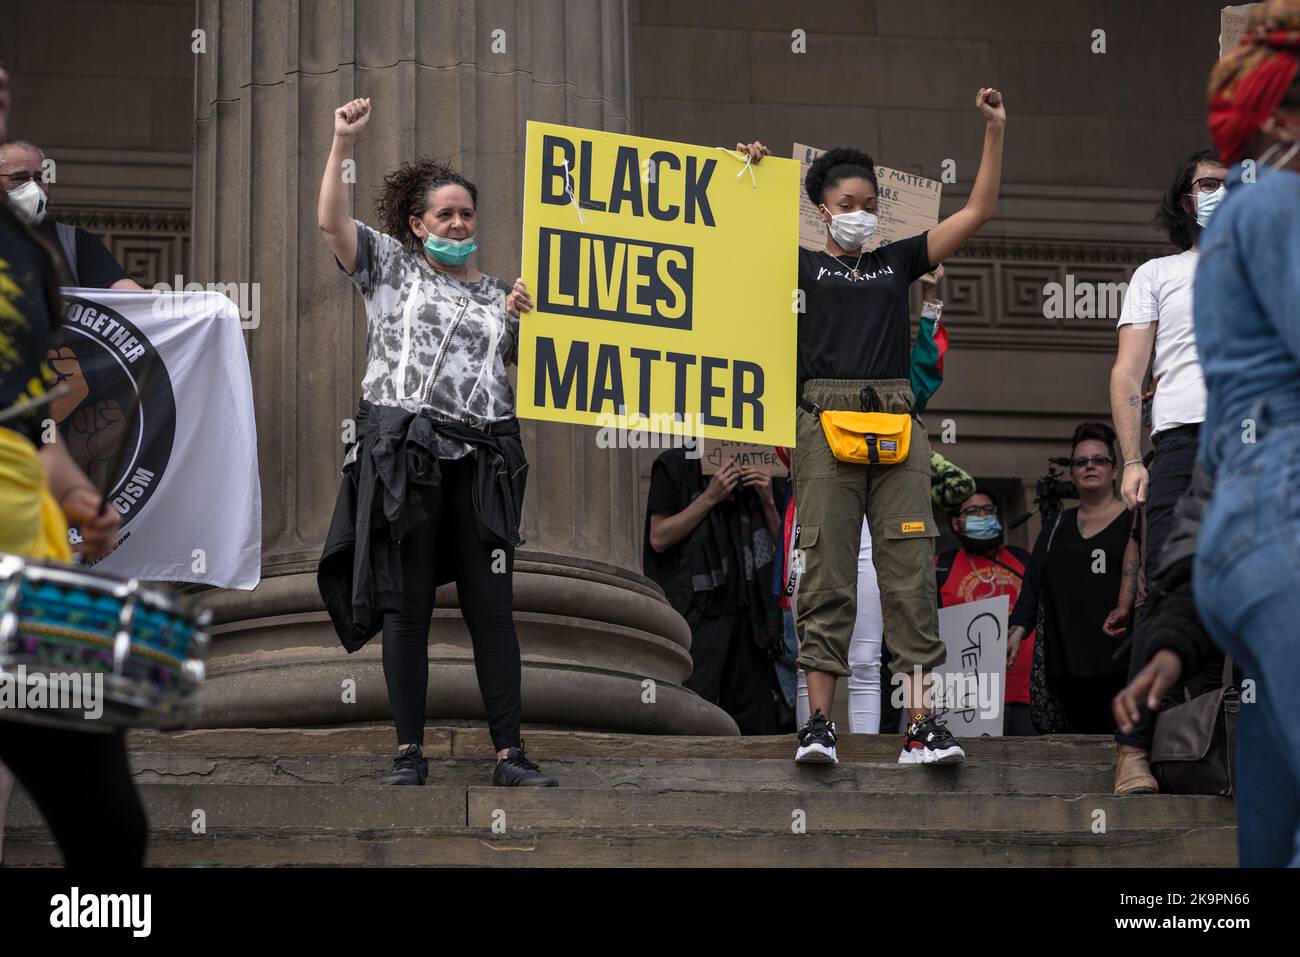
(661, 285)
(727, 394)
(604, 277)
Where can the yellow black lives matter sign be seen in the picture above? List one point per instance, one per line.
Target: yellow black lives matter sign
(663, 287)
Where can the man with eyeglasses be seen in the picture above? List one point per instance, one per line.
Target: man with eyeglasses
(1155, 328)
(984, 567)
(88, 261)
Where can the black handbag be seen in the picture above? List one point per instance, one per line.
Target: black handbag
(1194, 746)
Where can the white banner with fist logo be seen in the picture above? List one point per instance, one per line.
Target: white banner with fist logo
(182, 470)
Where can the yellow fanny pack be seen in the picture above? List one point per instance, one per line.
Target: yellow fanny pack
(867, 438)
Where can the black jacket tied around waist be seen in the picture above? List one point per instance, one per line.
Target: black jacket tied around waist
(382, 496)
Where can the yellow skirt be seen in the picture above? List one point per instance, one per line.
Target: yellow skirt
(31, 522)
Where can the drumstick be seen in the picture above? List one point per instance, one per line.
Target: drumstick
(131, 418)
(25, 406)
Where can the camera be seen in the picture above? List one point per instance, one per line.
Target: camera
(1049, 491)
(1051, 488)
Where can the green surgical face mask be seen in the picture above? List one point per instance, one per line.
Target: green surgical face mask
(450, 252)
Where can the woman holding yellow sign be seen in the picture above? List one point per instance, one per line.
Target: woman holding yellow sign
(856, 449)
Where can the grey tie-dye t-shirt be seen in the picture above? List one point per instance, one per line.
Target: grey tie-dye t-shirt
(433, 342)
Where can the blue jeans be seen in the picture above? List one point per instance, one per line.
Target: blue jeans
(1247, 584)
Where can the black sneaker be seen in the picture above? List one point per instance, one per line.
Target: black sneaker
(409, 767)
(516, 771)
(928, 741)
(817, 741)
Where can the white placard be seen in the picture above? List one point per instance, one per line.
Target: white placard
(908, 204)
(970, 688)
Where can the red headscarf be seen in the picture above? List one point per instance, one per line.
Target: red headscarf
(1251, 83)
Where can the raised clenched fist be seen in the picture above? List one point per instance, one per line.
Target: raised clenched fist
(67, 367)
(93, 435)
(351, 117)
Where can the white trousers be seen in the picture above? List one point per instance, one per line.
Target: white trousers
(864, 650)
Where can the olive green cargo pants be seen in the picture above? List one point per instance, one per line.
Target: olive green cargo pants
(831, 497)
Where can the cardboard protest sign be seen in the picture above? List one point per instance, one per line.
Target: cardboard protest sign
(970, 687)
(1232, 26)
(908, 204)
(663, 287)
(715, 453)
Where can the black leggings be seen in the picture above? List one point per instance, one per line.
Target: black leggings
(484, 584)
(81, 782)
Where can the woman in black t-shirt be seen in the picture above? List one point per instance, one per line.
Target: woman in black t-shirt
(1083, 574)
(854, 333)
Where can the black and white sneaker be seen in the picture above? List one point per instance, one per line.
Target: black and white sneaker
(410, 767)
(928, 741)
(817, 741)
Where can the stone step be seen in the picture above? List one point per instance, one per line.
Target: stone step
(325, 806)
(761, 774)
(662, 847)
(777, 810)
(309, 796)
(471, 742)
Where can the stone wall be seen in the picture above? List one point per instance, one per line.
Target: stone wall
(107, 89)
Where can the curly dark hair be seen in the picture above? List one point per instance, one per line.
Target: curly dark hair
(1173, 216)
(406, 193)
(835, 166)
(1097, 432)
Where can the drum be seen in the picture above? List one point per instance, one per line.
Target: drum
(85, 651)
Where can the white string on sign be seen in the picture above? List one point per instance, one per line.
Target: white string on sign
(749, 160)
(568, 188)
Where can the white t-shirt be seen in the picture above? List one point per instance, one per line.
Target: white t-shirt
(1161, 292)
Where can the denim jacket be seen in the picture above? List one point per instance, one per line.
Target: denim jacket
(1247, 309)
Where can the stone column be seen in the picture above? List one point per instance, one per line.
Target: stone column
(456, 81)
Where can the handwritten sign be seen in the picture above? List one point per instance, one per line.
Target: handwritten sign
(908, 204)
(715, 453)
(970, 689)
(1233, 22)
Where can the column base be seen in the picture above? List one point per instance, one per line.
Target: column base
(601, 649)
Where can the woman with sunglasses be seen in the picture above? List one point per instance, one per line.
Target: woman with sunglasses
(1083, 572)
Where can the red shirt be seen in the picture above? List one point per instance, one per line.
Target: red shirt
(973, 578)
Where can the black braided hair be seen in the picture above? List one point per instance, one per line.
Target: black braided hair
(835, 166)
(406, 193)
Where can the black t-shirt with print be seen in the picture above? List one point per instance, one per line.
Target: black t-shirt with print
(26, 322)
(858, 328)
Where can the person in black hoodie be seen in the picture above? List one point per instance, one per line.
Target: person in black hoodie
(710, 546)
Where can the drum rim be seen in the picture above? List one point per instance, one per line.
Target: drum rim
(124, 588)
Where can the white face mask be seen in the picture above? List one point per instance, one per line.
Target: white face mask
(30, 201)
(1207, 203)
(851, 230)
